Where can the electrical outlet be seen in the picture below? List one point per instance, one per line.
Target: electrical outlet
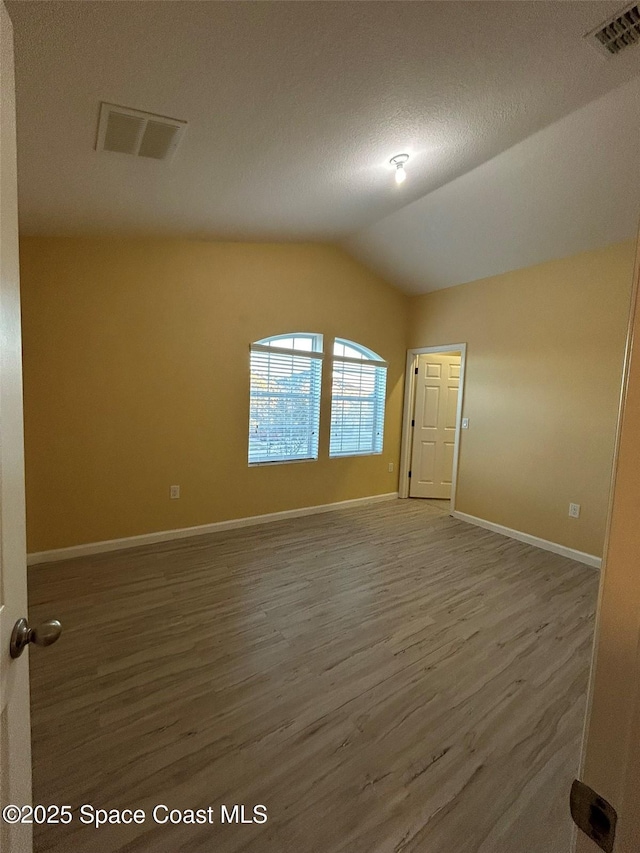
(574, 510)
(391, 467)
(465, 423)
(174, 492)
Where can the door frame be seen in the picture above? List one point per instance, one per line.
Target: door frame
(409, 402)
(15, 729)
(617, 575)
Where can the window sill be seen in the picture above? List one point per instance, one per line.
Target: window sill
(282, 462)
(357, 453)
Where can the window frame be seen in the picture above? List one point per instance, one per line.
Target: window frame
(378, 397)
(315, 356)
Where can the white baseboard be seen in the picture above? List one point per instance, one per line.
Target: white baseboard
(545, 544)
(185, 532)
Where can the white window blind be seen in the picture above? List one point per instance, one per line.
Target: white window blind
(357, 400)
(284, 410)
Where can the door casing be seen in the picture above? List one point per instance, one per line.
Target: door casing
(610, 760)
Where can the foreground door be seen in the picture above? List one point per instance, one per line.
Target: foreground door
(434, 431)
(611, 757)
(15, 735)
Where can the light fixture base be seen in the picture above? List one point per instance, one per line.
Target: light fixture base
(399, 160)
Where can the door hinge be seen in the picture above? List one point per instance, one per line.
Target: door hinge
(416, 371)
(409, 473)
(593, 815)
(413, 423)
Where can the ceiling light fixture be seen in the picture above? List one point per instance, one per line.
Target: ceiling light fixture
(398, 161)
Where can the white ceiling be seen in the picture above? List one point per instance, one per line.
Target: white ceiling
(294, 109)
(571, 187)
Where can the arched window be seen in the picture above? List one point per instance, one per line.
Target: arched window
(284, 409)
(357, 400)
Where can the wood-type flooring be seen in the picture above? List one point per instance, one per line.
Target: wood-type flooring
(383, 679)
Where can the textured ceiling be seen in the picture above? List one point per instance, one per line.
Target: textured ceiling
(294, 109)
(571, 187)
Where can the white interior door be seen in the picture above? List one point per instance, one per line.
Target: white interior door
(611, 755)
(434, 429)
(15, 734)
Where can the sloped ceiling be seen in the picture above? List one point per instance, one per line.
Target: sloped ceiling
(293, 108)
(568, 188)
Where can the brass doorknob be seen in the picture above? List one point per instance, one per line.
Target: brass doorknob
(42, 635)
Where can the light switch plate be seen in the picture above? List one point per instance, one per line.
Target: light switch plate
(465, 423)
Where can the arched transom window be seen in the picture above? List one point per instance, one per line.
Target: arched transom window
(357, 400)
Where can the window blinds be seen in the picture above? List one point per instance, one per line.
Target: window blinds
(357, 406)
(284, 410)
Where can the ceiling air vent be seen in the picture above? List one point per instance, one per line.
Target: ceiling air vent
(128, 131)
(619, 32)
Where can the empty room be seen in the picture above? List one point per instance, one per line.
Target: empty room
(319, 419)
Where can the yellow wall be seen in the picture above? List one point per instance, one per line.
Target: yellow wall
(544, 365)
(136, 378)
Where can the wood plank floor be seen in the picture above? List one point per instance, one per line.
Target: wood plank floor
(384, 679)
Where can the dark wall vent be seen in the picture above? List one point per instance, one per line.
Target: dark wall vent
(619, 32)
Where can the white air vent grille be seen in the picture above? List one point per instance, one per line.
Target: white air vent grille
(618, 33)
(128, 131)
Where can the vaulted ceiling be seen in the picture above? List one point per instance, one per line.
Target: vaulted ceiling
(569, 188)
(294, 109)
